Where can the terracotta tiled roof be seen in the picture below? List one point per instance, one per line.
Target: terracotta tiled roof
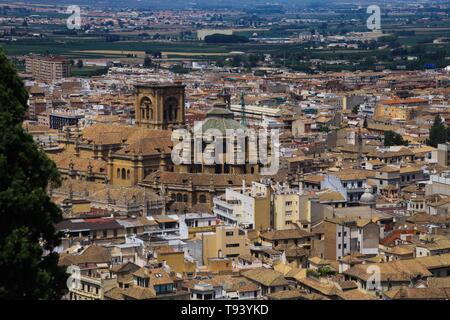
(285, 234)
(266, 277)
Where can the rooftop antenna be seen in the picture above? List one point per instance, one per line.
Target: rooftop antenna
(243, 116)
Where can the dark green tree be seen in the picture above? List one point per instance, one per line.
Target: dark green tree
(237, 61)
(438, 132)
(392, 138)
(148, 62)
(28, 266)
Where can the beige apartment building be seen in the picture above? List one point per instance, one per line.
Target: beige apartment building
(286, 208)
(261, 206)
(47, 68)
(226, 242)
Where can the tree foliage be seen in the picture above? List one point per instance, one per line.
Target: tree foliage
(392, 138)
(438, 132)
(225, 38)
(27, 235)
(148, 62)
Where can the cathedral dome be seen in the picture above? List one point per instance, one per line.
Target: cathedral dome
(219, 117)
(367, 197)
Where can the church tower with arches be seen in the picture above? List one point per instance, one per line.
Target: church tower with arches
(159, 106)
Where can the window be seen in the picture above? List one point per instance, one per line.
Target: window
(128, 174)
(339, 246)
(118, 173)
(202, 198)
(124, 175)
(232, 245)
(105, 233)
(339, 234)
(229, 233)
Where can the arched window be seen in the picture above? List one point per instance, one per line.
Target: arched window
(252, 170)
(202, 198)
(179, 197)
(171, 109)
(128, 174)
(146, 109)
(185, 198)
(118, 173)
(173, 196)
(124, 175)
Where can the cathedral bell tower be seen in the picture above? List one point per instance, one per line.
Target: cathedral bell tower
(159, 106)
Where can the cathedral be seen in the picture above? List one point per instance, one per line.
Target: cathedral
(140, 155)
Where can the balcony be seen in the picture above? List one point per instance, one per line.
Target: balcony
(224, 214)
(227, 204)
(86, 294)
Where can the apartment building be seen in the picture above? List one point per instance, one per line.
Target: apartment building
(439, 184)
(443, 154)
(350, 183)
(260, 206)
(47, 68)
(248, 207)
(286, 207)
(225, 242)
(392, 178)
(402, 109)
(343, 236)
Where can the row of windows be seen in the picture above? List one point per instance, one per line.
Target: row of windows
(103, 234)
(184, 198)
(359, 184)
(123, 174)
(417, 206)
